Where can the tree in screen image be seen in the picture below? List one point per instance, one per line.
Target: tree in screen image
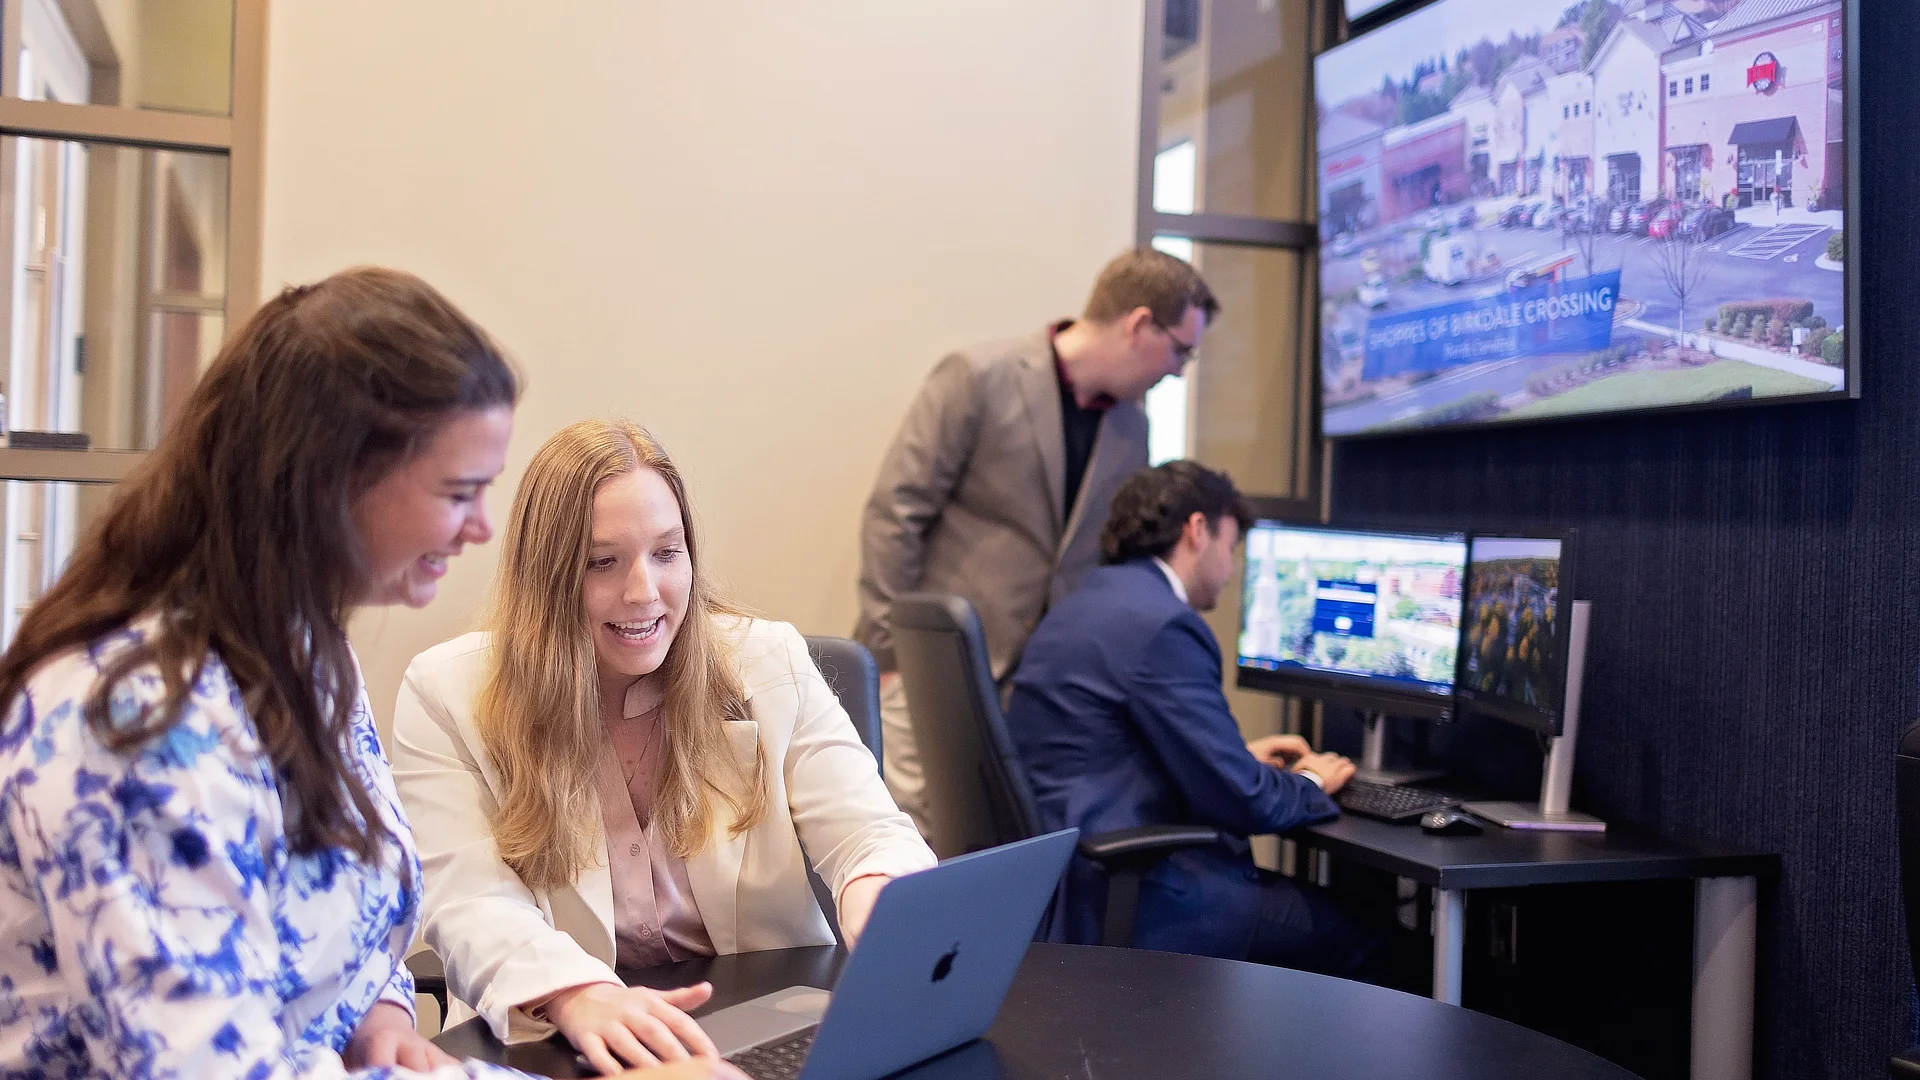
(1683, 268)
(1510, 628)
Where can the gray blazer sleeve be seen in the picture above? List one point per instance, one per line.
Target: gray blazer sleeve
(922, 467)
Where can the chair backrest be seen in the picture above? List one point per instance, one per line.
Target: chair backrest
(855, 679)
(1906, 782)
(977, 794)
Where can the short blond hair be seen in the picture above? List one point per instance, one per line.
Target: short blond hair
(1155, 280)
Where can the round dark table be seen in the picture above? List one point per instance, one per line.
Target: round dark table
(1077, 1011)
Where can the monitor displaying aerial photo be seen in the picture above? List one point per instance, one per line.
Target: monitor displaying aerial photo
(1358, 606)
(1532, 211)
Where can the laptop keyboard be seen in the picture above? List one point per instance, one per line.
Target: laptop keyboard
(776, 1061)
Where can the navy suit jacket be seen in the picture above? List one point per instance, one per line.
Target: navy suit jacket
(1120, 721)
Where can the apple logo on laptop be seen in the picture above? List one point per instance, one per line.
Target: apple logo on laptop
(945, 965)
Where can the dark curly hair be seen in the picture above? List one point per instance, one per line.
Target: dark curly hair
(1153, 506)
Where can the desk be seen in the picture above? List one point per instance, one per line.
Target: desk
(1078, 1011)
(1725, 904)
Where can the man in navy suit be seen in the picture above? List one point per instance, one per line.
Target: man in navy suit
(1120, 721)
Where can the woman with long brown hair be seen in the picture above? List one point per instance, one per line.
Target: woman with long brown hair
(206, 871)
(623, 769)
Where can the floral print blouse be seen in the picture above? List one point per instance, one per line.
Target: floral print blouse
(154, 921)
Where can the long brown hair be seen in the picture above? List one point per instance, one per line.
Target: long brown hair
(538, 711)
(236, 534)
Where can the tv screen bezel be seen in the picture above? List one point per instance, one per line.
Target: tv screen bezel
(1548, 722)
(1386, 11)
(1852, 303)
(1358, 691)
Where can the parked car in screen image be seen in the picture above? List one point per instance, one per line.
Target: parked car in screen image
(1343, 244)
(1663, 222)
(1373, 291)
(1706, 222)
(1617, 217)
(1641, 216)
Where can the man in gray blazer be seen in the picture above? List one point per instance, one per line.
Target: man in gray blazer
(996, 487)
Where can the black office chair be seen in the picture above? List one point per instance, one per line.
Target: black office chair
(430, 978)
(1906, 799)
(855, 679)
(977, 792)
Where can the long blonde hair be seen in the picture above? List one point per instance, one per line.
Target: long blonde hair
(538, 711)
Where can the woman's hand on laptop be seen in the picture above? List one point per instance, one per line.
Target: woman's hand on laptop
(616, 1027)
(856, 904)
(691, 1069)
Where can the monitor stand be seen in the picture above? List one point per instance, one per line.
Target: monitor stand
(1550, 814)
(1373, 752)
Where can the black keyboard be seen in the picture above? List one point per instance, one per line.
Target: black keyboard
(776, 1061)
(1391, 802)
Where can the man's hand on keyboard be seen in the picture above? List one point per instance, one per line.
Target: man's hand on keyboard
(1279, 751)
(1333, 770)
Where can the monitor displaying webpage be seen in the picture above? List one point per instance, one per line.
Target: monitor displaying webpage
(1513, 599)
(1376, 607)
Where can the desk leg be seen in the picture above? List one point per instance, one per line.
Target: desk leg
(1449, 943)
(1725, 924)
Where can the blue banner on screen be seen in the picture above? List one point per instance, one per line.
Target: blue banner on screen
(1548, 317)
(1344, 608)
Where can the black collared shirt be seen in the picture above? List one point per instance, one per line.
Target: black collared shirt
(1080, 424)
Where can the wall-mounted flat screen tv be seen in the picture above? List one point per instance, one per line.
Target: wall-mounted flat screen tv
(1357, 9)
(1533, 211)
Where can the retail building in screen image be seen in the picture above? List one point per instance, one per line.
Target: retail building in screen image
(1531, 211)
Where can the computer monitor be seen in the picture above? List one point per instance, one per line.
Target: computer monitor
(1361, 617)
(1514, 648)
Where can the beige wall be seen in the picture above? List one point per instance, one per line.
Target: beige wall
(753, 226)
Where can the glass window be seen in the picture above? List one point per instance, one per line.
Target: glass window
(1237, 94)
(1689, 87)
(39, 522)
(1251, 416)
(1175, 173)
(1673, 88)
(116, 288)
(175, 55)
(1168, 402)
(1703, 82)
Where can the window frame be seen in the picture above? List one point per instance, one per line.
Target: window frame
(1307, 455)
(239, 137)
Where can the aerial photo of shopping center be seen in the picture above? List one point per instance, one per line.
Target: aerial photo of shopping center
(1531, 211)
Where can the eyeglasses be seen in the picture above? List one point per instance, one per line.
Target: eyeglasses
(1182, 350)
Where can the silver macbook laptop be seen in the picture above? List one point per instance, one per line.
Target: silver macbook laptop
(936, 959)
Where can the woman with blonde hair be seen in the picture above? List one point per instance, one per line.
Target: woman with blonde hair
(623, 771)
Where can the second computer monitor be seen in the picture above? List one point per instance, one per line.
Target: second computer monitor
(1513, 651)
(1369, 618)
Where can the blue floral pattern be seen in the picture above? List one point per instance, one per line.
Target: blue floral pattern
(154, 921)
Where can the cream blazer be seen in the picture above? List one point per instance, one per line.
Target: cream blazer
(504, 944)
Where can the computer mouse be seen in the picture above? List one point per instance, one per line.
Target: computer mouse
(1452, 821)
